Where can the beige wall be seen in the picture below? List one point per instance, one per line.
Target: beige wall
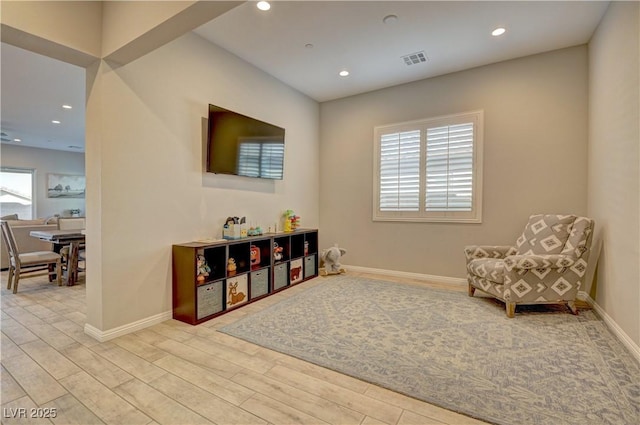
(145, 125)
(131, 29)
(614, 162)
(535, 153)
(145, 128)
(127, 20)
(66, 30)
(46, 161)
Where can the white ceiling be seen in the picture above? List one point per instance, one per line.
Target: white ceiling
(34, 88)
(351, 35)
(345, 35)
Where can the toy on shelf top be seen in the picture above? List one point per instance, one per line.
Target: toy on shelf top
(237, 228)
(291, 221)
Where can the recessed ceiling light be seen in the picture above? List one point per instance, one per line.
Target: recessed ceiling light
(344, 73)
(498, 31)
(17, 140)
(66, 106)
(389, 19)
(309, 46)
(55, 121)
(263, 5)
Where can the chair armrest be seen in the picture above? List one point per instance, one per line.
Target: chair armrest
(472, 252)
(528, 262)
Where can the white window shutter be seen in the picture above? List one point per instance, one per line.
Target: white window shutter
(399, 188)
(429, 170)
(449, 168)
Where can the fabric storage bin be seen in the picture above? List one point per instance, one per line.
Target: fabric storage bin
(309, 266)
(237, 290)
(280, 276)
(259, 283)
(210, 299)
(295, 271)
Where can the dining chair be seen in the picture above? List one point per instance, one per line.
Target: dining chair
(72, 223)
(29, 262)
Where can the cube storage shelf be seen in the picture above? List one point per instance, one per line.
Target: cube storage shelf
(264, 265)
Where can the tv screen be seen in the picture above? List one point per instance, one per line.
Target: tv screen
(244, 146)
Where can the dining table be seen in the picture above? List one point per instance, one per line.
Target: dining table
(61, 238)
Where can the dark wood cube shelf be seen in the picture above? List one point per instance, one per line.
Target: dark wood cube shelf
(263, 265)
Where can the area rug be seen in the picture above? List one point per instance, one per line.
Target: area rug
(545, 366)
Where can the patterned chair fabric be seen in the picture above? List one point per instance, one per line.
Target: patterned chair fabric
(547, 264)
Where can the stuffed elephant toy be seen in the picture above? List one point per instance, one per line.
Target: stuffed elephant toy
(331, 258)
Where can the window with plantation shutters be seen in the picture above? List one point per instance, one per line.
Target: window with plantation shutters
(429, 170)
(400, 171)
(260, 158)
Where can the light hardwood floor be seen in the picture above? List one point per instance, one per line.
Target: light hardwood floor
(174, 373)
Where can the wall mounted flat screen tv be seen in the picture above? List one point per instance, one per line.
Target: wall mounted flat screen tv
(244, 146)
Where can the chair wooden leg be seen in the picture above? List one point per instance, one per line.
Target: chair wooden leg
(16, 279)
(572, 307)
(9, 281)
(59, 272)
(471, 290)
(511, 309)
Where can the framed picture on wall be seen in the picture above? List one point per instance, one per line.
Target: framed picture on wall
(65, 186)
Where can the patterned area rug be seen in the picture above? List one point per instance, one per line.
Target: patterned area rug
(545, 366)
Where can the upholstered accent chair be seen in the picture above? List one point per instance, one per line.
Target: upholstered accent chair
(546, 266)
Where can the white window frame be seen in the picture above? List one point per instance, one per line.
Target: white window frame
(32, 172)
(421, 215)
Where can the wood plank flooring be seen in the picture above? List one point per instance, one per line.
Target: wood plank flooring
(174, 373)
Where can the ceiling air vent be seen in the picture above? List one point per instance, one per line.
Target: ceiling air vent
(414, 58)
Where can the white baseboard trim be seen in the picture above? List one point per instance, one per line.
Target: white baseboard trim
(103, 336)
(617, 330)
(455, 281)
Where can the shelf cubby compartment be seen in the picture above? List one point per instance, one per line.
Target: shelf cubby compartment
(216, 259)
(297, 245)
(311, 241)
(210, 299)
(280, 276)
(310, 266)
(259, 283)
(260, 253)
(237, 290)
(283, 242)
(240, 252)
(295, 271)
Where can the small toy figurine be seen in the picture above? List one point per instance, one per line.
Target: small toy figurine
(277, 252)
(291, 221)
(255, 256)
(231, 267)
(295, 222)
(203, 268)
(331, 258)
